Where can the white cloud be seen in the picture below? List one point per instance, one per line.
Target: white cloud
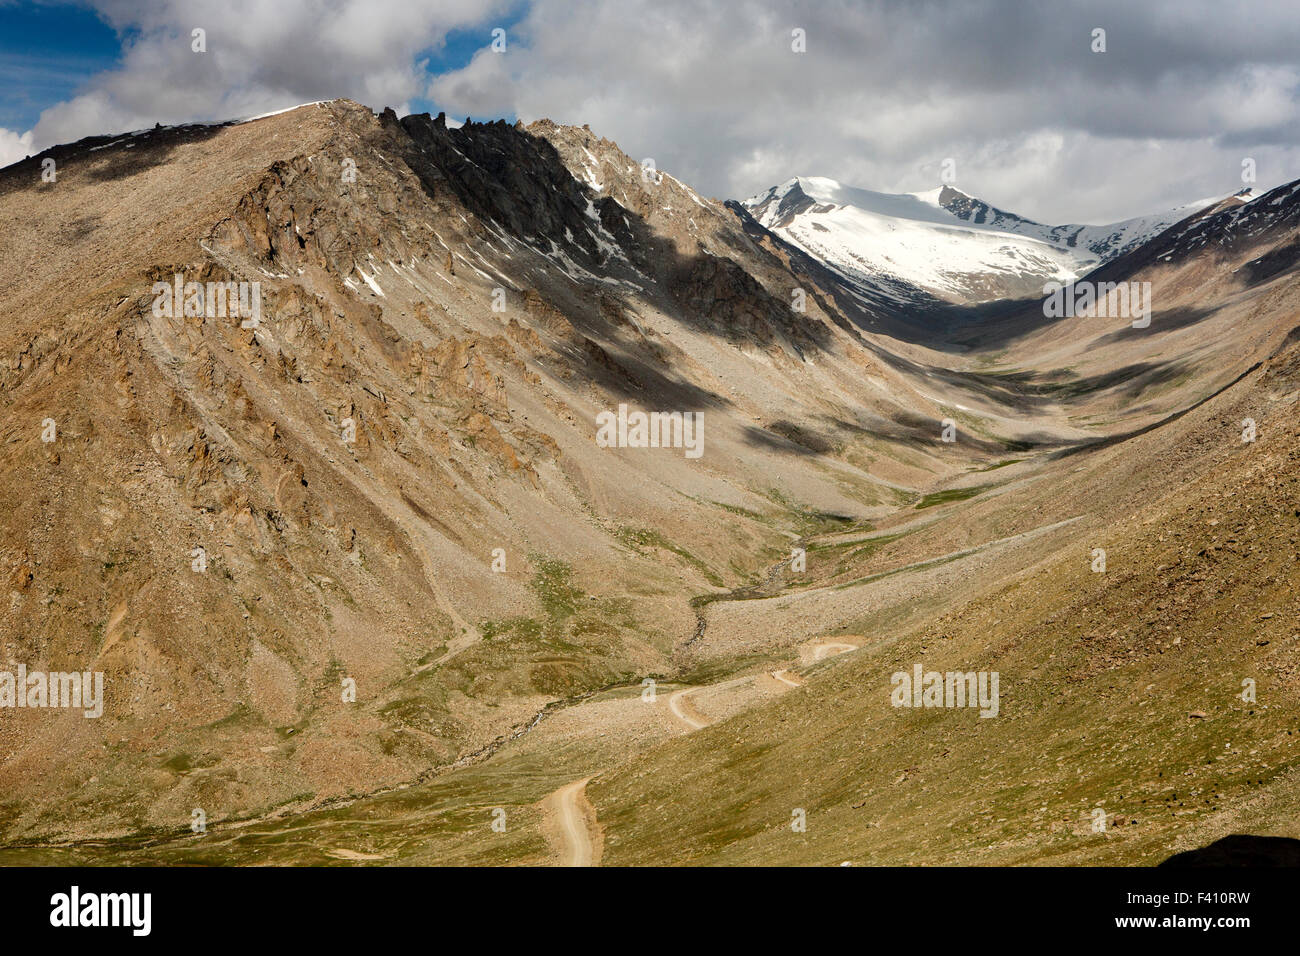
(1036, 122)
(14, 146)
(260, 57)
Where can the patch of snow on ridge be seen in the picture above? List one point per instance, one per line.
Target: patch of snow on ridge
(371, 282)
(249, 119)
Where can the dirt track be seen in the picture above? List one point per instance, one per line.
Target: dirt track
(574, 817)
(680, 704)
(571, 816)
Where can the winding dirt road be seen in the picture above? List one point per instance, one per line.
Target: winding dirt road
(680, 704)
(574, 815)
(823, 651)
(784, 677)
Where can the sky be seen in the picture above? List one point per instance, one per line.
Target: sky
(1014, 97)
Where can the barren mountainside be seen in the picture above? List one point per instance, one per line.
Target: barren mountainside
(392, 480)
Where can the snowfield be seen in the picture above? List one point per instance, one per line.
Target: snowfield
(941, 241)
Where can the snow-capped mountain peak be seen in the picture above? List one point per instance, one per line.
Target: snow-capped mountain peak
(906, 244)
(941, 242)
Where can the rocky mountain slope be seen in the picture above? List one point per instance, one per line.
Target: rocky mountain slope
(392, 477)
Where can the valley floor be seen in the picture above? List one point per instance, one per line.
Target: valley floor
(1121, 694)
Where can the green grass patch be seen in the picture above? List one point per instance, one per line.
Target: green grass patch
(950, 494)
(639, 539)
(1000, 464)
(553, 587)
